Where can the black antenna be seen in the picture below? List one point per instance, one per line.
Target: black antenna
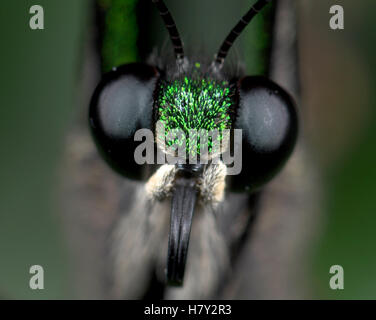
(237, 30)
(171, 28)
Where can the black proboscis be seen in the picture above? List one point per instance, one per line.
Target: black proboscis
(183, 204)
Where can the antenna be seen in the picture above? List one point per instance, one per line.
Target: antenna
(236, 31)
(171, 28)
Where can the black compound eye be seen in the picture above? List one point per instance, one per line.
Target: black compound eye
(121, 104)
(267, 116)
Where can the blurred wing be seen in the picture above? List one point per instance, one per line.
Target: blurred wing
(274, 262)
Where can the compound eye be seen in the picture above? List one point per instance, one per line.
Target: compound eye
(267, 115)
(121, 104)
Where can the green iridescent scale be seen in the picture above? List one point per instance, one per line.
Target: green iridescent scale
(201, 104)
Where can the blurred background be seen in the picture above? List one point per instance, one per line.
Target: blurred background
(42, 77)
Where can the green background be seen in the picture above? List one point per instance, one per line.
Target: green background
(40, 73)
